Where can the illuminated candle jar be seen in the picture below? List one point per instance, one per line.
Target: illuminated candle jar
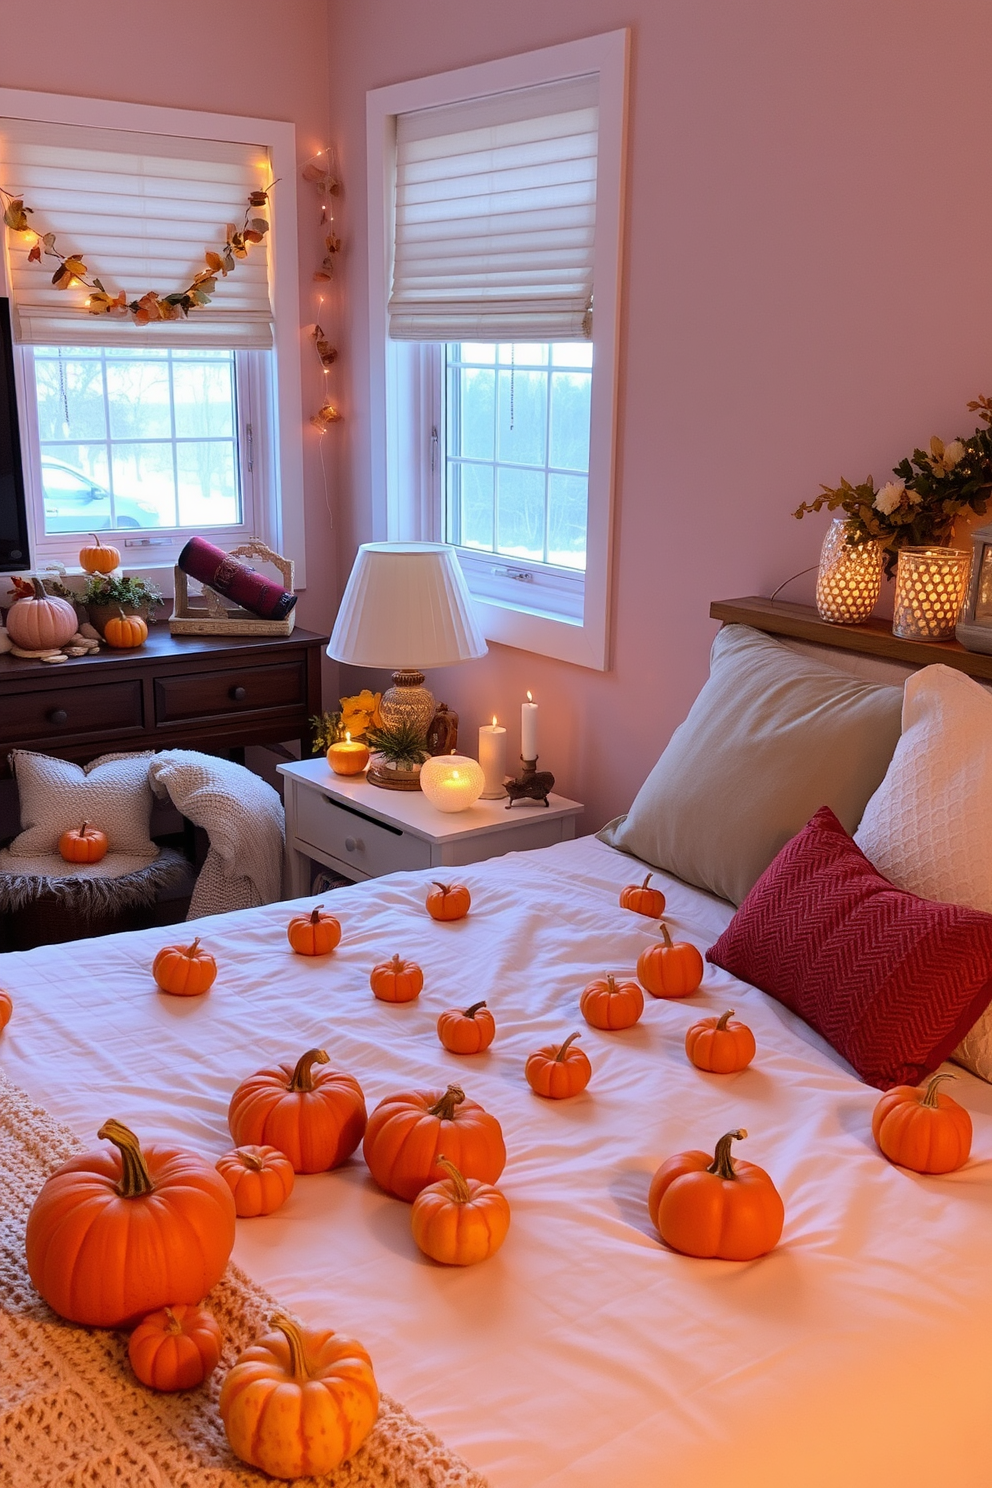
(452, 782)
(931, 584)
(348, 757)
(492, 758)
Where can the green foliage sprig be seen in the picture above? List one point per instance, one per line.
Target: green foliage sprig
(103, 589)
(402, 745)
(327, 730)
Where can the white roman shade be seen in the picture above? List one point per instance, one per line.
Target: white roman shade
(140, 210)
(495, 216)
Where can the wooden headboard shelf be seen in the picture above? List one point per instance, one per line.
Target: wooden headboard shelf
(873, 637)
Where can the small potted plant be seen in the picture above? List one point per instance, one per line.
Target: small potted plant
(397, 755)
(106, 598)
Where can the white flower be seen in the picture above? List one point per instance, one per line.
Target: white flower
(953, 454)
(890, 496)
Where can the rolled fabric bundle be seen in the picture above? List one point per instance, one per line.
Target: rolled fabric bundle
(229, 576)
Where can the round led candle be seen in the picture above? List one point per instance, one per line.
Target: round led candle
(492, 758)
(452, 782)
(348, 757)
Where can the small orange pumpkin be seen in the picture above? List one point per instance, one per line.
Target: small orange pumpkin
(316, 1117)
(407, 1133)
(396, 980)
(299, 1402)
(185, 971)
(711, 1206)
(448, 901)
(719, 1046)
(671, 969)
(642, 900)
(6, 1009)
(124, 632)
(459, 1221)
(469, 1032)
(559, 1072)
(176, 1348)
(609, 1004)
(40, 621)
(314, 933)
(923, 1130)
(260, 1178)
(87, 845)
(100, 558)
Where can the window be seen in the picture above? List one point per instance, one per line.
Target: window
(496, 197)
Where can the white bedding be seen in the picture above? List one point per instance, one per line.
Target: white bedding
(584, 1354)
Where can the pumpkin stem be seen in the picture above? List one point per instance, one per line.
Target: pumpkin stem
(666, 937)
(303, 1073)
(646, 882)
(470, 1012)
(191, 949)
(315, 915)
(293, 1334)
(250, 1160)
(723, 1164)
(462, 1194)
(611, 982)
(724, 1018)
(135, 1178)
(396, 965)
(39, 589)
(445, 888)
(930, 1099)
(562, 1051)
(96, 538)
(82, 830)
(445, 1107)
(174, 1325)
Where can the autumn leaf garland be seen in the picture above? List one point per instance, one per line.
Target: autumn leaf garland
(150, 306)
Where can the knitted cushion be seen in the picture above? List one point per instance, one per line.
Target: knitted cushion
(890, 980)
(111, 793)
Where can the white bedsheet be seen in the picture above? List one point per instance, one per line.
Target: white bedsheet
(585, 1353)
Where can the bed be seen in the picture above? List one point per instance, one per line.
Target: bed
(585, 1353)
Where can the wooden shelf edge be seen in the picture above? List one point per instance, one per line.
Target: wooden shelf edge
(872, 638)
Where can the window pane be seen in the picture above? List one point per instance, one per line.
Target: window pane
(476, 351)
(75, 480)
(523, 417)
(520, 513)
(477, 506)
(523, 354)
(204, 400)
(568, 497)
(478, 410)
(207, 487)
(70, 400)
(571, 395)
(143, 473)
(571, 354)
(138, 398)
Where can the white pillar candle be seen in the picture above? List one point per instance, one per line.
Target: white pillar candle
(492, 758)
(528, 729)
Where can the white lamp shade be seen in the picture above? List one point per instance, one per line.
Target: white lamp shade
(452, 782)
(406, 605)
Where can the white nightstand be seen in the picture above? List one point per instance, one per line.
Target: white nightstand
(362, 831)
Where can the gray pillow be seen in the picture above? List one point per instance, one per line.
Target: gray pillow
(771, 738)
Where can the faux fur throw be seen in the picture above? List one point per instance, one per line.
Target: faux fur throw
(243, 818)
(115, 883)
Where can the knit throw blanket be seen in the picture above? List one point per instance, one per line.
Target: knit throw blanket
(72, 1414)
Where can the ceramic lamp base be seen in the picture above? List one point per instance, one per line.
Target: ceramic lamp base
(408, 701)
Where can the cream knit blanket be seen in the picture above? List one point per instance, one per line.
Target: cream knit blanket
(72, 1414)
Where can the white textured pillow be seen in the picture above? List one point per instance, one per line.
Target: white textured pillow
(928, 827)
(111, 793)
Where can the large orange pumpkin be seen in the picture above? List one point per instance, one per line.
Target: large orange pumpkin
(924, 1130)
(671, 969)
(396, 980)
(100, 558)
(642, 900)
(185, 971)
(314, 933)
(114, 1235)
(469, 1032)
(448, 901)
(41, 622)
(609, 1004)
(175, 1348)
(719, 1046)
(85, 845)
(299, 1402)
(316, 1117)
(260, 1178)
(713, 1206)
(407, 1134)
(124, 632)
(558, 1072)
(459, 1221)
(6, 1009)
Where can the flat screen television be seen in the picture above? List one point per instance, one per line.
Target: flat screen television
(14, 552)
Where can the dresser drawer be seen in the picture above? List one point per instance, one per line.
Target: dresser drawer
(359, 841)
(238, 690)
(53, 713)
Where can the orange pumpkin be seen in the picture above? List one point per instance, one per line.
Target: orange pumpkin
(176, 1348)
(924, 1130)
(671, 969)
(609, 1004)
(6, 1009)
(87, 845)
(558, 1072)
(719, 1046)
(314, 933)
(469, 1032)
(642, 900)
(260, 1178)
(407, 1134)
(124, 632)
(448, 901)
(316, 1117)
(396, 980)
(299, 1402)
(40, 621)
(100, 558)
(459, 1221)
(114, 1235)
(185, 971)
(713, 1206)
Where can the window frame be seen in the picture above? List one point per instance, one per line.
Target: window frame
(406, 377)
(273, 382)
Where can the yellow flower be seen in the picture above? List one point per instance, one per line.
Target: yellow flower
(360, 713)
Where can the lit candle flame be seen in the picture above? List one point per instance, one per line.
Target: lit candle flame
(530, 697)
(347, 737)
(454, 774)
(494, 720)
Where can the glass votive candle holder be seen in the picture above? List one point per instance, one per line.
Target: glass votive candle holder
(348, 756)
(930, 588)
(849, 579)
(452, 782)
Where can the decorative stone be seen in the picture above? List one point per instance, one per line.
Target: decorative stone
(89, 631)
(54, 660)
(35, 655)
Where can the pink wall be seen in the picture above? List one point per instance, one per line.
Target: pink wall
(806, 296)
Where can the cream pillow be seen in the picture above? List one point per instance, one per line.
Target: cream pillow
(111, 793)
(928, 827)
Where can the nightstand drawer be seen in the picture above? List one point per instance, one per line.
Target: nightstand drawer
(358, 840)
(245, 690)
(68, 711)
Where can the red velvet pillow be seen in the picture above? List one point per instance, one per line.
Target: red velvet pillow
(892, 981)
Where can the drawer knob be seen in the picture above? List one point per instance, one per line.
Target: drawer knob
(58, 715)
(239, 694)
(353, 844)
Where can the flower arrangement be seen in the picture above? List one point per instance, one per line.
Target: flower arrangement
(930, 490)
